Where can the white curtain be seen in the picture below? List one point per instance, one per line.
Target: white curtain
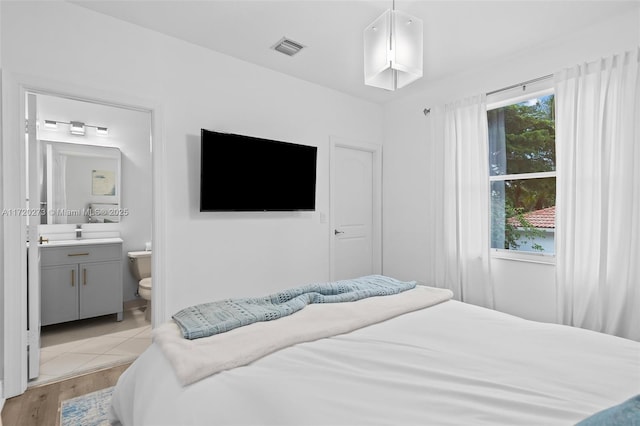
(598, 195)
(460, 184)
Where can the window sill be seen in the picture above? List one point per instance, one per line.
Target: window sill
(523, 256)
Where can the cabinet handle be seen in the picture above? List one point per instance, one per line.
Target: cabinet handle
(78, 254)
(73, 278)
(84, 276)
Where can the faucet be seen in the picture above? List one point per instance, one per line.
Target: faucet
(78, 231)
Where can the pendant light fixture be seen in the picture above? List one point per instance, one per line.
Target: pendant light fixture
(393, 50)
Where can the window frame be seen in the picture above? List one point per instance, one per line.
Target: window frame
(499, 99)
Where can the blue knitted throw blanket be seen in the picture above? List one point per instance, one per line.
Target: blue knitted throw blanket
(627, 413)
(212, 318)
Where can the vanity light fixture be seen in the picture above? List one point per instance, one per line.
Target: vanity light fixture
(50, 124)
(393, 50)
(76, 128)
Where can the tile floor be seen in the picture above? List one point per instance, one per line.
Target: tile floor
(80, 346)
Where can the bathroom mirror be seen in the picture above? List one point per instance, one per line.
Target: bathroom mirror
(82, 183)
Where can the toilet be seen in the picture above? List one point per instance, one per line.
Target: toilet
(140, 266)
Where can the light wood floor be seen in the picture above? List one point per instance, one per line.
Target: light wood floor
(39, 405)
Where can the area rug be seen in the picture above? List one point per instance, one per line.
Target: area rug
(87, 410)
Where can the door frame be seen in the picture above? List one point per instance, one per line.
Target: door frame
(13, 250)
(33, 253)
(376, 229)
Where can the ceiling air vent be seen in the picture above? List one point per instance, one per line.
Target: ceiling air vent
(288, 47)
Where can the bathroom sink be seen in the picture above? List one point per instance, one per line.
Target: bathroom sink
(80, 241)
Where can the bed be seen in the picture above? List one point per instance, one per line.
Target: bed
(448, 363)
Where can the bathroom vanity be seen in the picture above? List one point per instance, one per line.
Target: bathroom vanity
(80, 279)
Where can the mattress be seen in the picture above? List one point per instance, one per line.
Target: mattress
(448, 364)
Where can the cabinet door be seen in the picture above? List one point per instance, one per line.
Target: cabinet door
(100, 288)
(59, 294)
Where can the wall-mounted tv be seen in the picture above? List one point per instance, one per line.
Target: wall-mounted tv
(244, 173)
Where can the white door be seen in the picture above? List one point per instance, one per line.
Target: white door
(355, 230)
(33, 226)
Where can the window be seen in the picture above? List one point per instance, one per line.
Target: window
(522, 166)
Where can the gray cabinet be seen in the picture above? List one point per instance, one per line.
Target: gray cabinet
(58, 294)
(78, 282)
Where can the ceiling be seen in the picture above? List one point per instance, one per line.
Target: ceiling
(457, 34)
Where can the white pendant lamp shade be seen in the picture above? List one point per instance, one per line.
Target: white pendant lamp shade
(393, 50)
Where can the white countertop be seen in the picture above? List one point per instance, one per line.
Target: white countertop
(80, 242)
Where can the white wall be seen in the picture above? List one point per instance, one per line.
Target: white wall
(410, 205)
(209, 256)
(524, 289)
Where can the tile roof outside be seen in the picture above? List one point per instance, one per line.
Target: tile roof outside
(543, 218)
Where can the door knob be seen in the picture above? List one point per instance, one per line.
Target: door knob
(336, 232)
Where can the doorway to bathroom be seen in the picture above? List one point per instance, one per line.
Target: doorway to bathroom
(71, 187)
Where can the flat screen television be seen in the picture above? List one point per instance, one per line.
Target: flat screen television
(244, 173)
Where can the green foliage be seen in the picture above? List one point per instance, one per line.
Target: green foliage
(526, 146)
(530, 137)
(524, 230)
(511, 228)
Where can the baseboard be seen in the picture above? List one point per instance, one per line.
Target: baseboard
(134, 304)
(1, 400)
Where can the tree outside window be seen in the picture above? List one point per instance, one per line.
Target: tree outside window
(522, 175)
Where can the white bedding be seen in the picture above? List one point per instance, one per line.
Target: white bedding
(449, 364)
(193, 360)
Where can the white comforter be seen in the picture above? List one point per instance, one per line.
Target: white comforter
(449, 364)
(193, 360)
